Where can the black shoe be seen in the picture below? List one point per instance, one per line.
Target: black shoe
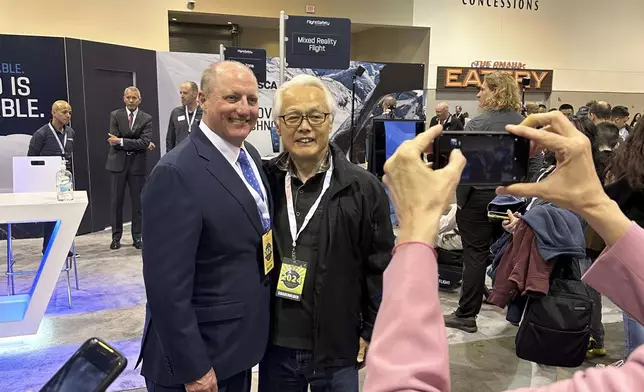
(116, 244)
(138, 244)
(466, 324)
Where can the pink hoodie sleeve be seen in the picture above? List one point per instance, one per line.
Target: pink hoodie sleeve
(409, 346)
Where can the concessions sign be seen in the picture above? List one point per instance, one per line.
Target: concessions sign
(470, 79)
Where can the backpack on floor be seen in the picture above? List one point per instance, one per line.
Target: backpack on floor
(555, 329)
(450, 268)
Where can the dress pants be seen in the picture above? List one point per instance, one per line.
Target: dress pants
(240, 382)
(476, 233)
(135, 182)
(289, 370)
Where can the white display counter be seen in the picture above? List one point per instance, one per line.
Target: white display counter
(21, 314)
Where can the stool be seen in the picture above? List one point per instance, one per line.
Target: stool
(70, 263)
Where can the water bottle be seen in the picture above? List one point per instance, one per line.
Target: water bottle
(64, 183)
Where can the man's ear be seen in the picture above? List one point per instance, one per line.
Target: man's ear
(201, 99)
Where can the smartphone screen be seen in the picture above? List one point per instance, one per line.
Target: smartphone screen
(388, 135)
(492, 158)
(91, 369)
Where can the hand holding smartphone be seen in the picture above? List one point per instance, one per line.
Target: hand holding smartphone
(92, 368)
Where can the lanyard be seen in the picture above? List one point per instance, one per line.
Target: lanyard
(191, 120)
(292, 222)
(64, 143)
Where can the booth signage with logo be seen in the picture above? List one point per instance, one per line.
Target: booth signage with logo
(255, 59)
(322, 43)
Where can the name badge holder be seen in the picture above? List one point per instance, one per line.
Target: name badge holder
(61, 145)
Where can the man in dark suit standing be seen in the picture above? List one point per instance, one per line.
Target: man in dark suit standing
(443, 117)
(185, 118)
(129, 139)
(208, 253)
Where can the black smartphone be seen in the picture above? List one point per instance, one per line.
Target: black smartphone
(493, 158)
(92, 368)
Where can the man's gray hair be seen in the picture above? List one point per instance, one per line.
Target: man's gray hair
(302, 80)
(133, 89)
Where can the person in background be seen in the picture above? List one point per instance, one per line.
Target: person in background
(207, 227)
(410, 311)
(388, 107)
(129, 140)
(625, 185)
(500, 99)
(567, 109)
(543, 108)
(607, 139)
(552, 110)
(332, 227)
(600, 112)
(620, 117)
(56, 138)
(444, 118)
(458, 114)
(185, 118)
(531, 108)
(636, 118)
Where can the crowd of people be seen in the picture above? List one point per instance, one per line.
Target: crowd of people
(281, 263)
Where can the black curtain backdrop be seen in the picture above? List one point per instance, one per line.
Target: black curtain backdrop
(106, 71)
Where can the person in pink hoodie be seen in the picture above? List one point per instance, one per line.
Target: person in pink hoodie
(409, 346)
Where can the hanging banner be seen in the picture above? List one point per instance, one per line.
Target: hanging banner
(32, 78)
(322, 43)
(255, 59)
(470, 79)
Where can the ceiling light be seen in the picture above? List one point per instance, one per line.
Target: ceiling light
(174, 19)
(230, 22)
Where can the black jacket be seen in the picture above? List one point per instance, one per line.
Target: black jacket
(178, 126)
(356, 240)
(44, 143)
(453, 123)
(135, 141)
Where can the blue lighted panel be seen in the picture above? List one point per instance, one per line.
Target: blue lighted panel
(14, 307)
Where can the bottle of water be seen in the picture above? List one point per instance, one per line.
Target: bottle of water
(64, 183)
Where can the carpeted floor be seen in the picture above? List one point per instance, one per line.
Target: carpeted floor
(110, 304)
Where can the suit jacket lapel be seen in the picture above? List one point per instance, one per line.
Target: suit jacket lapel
(219, 167)
(125, 123)
(137, 122)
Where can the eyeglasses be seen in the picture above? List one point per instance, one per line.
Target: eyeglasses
(295, 119)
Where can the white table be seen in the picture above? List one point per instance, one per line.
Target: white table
(21, 315)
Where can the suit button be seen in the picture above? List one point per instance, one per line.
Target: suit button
(297, 213)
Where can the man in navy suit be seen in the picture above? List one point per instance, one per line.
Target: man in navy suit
(207, 253)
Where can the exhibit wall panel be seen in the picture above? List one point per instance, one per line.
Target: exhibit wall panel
(562, 35)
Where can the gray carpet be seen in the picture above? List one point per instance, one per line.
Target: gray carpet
(110, 304)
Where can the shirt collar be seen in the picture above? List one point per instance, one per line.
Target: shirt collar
(285, 163)
(134, 112)
(227, 149)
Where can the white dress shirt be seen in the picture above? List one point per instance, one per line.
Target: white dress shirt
(231, 153)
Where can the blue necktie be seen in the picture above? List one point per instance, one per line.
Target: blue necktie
(247, 171)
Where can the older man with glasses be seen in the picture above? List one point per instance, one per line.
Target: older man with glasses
(334, 240)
